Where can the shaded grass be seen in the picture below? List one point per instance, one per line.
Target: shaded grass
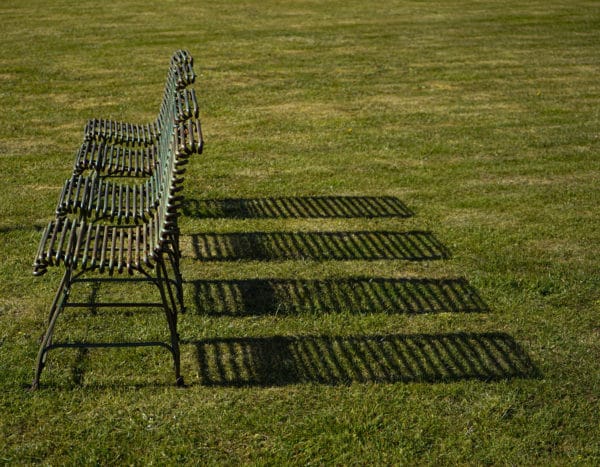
(480, 118)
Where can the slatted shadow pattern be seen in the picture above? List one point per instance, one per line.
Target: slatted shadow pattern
(354, 295)
(274, 246)
(278, 361)
(297, 207)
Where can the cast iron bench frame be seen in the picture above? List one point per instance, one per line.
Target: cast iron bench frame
(136, 245)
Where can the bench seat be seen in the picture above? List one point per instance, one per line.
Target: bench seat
(80, 245)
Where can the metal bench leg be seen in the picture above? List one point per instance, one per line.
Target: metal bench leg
(170, 307)
(174, 260)
(57, 306)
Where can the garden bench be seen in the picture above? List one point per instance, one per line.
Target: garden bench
(128, 152)
(180, 75)
(96, 195)
(126, 230)
(106, 140)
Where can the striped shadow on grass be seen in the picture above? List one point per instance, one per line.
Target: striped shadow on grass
(333, 360)
(356, 295)
(297, 207)
(274, 246)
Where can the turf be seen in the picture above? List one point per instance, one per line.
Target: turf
(390, 242)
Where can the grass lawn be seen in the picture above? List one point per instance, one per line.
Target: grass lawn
(390, 243)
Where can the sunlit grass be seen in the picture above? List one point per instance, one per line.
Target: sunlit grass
(389, 243)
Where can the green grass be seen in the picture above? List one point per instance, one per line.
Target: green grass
(305, 342)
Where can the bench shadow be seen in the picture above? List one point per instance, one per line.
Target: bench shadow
(334, 360)
(337, 360)
(5, 229)
(297, 207)
(357, 295)
(356, 245)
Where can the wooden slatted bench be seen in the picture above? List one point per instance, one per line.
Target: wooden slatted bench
(107, 231)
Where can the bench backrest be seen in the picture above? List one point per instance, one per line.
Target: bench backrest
(186, 140)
